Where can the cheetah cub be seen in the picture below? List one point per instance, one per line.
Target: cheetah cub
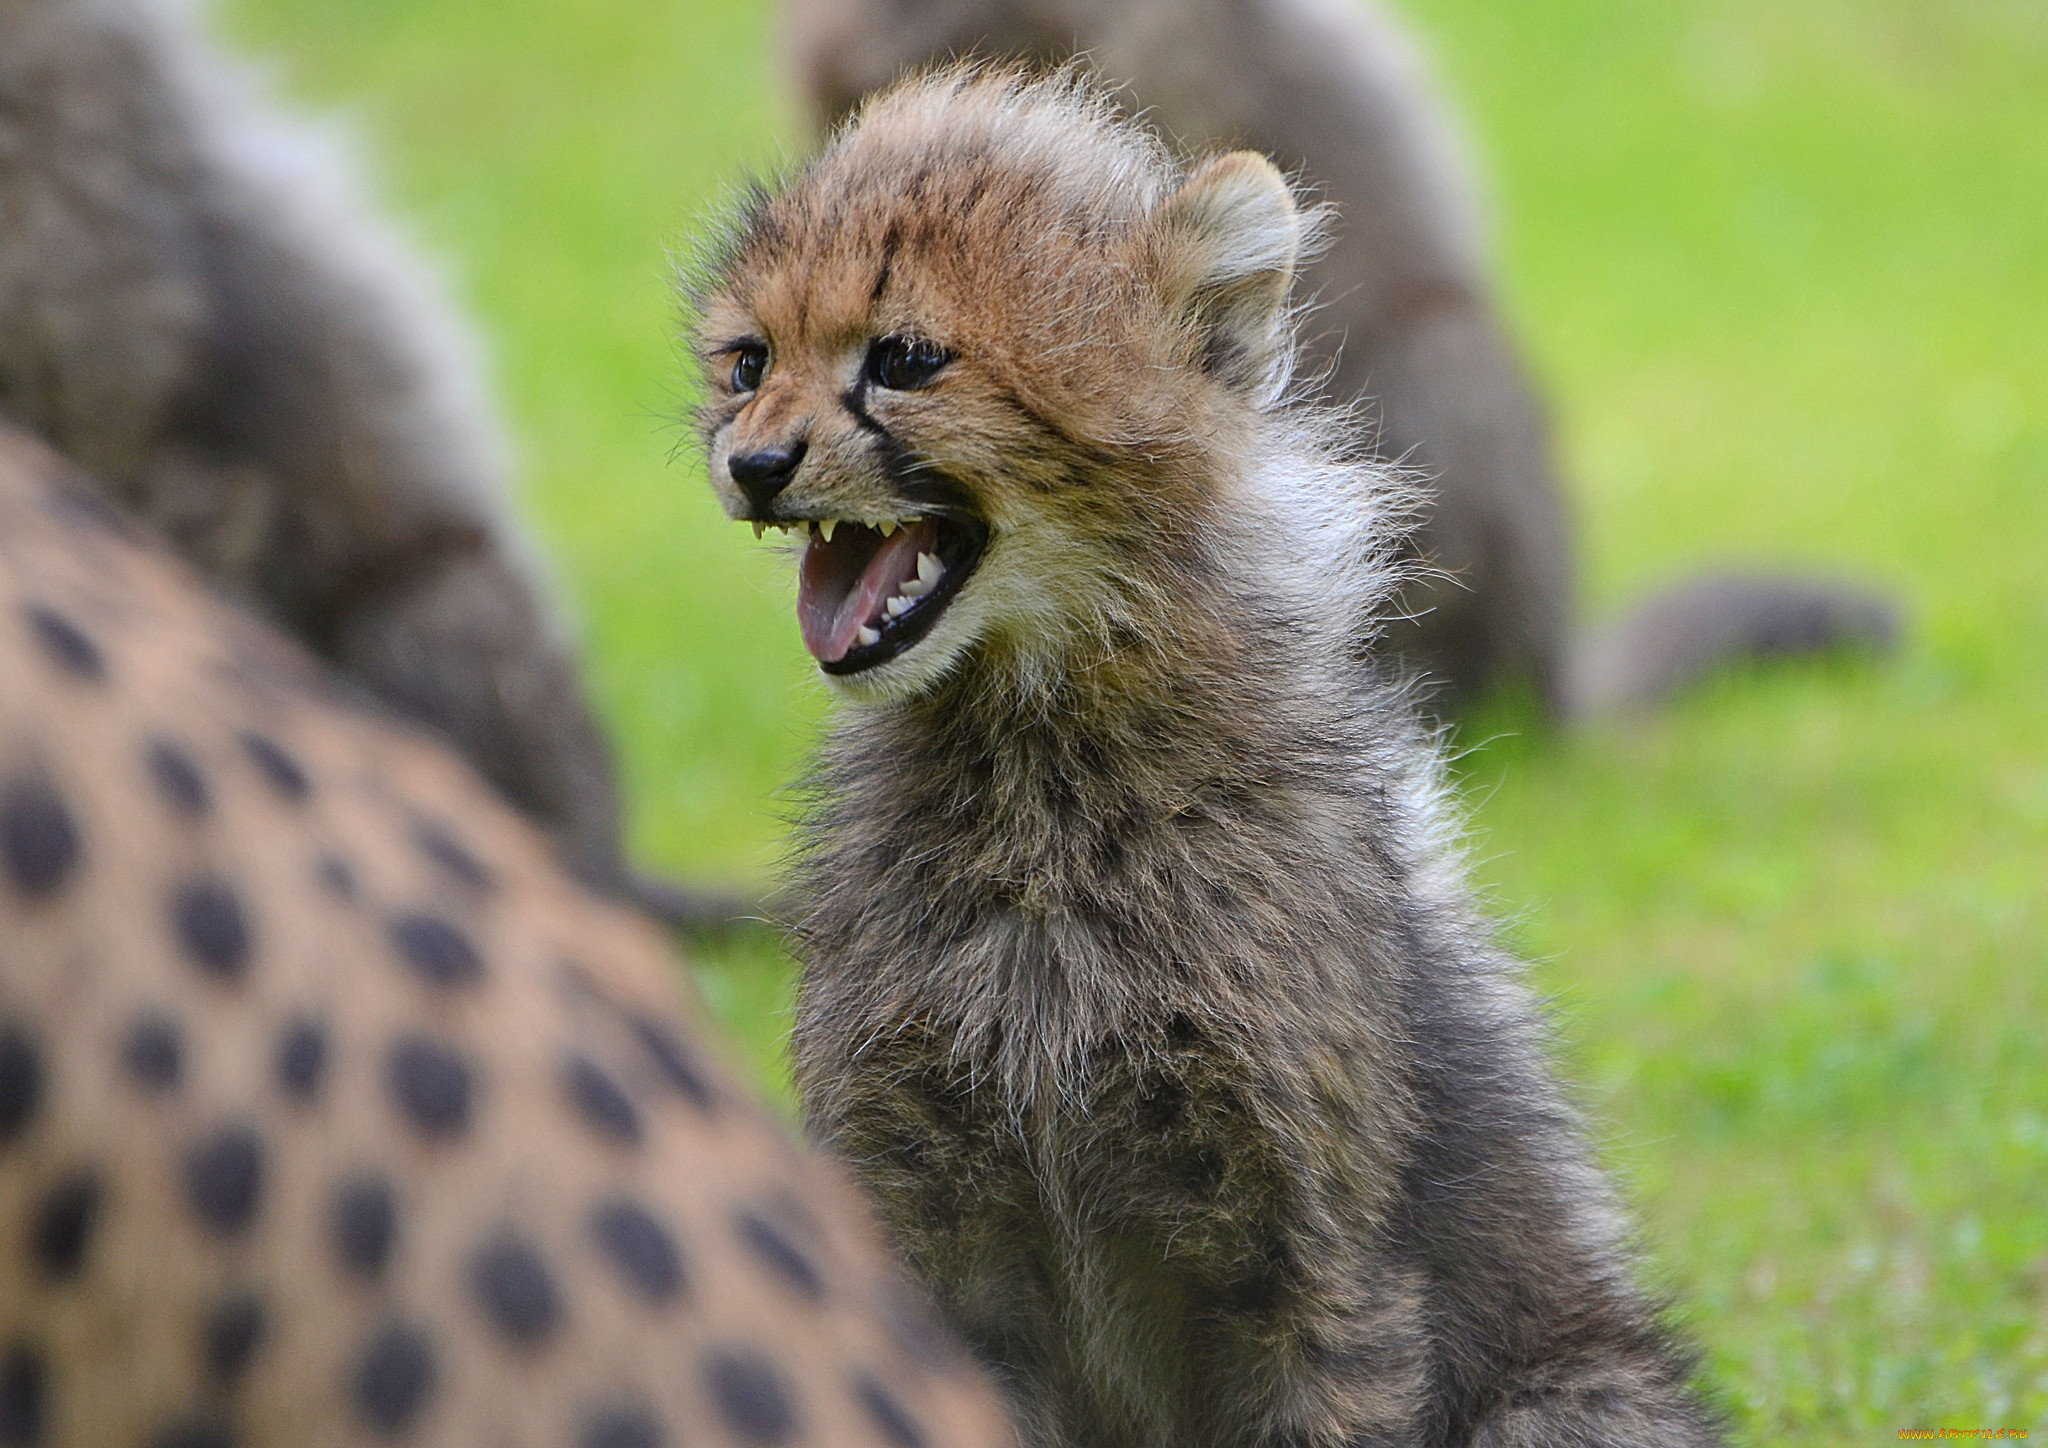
(1142, 988)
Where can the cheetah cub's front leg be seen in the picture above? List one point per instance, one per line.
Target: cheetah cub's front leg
(1141, 987)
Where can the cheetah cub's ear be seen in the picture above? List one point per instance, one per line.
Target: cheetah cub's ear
(1227, 243)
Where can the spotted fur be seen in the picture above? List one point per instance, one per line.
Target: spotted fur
(196, 304)
(1141, 985)
(332, 1113)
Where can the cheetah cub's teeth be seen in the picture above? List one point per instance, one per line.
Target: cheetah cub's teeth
(897, 606)
(929, 572)
(824, 527)
(869, 635)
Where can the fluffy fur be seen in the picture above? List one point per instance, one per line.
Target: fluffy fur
(1407, 320)
(1142, 988)
(198, 307)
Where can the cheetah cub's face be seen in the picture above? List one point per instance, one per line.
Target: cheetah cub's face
(989, 358)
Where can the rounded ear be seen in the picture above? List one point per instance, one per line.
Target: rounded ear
(1227, 244)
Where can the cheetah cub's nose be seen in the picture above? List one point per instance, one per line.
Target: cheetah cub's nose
(764, 473)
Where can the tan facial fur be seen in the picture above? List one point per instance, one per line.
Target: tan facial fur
(1095, 304)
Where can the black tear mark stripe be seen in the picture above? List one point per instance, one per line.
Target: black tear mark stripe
(855, 402)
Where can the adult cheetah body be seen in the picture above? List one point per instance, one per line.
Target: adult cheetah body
(331, 1112)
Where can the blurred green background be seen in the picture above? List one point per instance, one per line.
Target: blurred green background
(1783, 268)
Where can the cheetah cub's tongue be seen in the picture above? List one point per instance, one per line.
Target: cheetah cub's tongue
(845, 585)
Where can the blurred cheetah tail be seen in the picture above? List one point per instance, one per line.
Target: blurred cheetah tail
(1686, 632)
(699, 911)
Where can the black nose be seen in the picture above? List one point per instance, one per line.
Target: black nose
(763, 474)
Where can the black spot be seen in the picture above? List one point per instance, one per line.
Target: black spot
(514, 1289)
(364, 1225)
(23, 1389)
(889, 1416)
(337, 877)
(224, 1179)
(394, 1378)
(38, 842)
(640, 1248)
(439, 845)
(675, 1060)
(284, 773)
(234, 1330)
(65, 642)
(301, 1062)
(431, 1084)
(178, 779)
(600, 1101)
(623, 1428)
(194, 1433)
(1182, 1032)
(438, 952)
(21, 1081)
(64, 1222)
(206, 917)
(771, 1247)
(750, 1396)
(153, 1053)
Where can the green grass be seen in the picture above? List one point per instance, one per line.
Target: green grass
(1784, 271)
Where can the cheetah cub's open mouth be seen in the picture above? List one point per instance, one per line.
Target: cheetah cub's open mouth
(866, 594)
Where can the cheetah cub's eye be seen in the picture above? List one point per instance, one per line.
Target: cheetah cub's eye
(902, 364)
(749, 367)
